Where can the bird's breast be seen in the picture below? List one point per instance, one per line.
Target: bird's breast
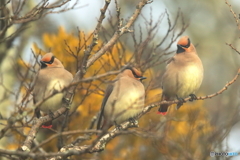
(124, 102)
(189, 80)
(56, 85)
(54, 99)
(182, 80)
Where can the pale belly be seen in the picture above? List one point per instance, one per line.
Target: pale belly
(52, 104)
(183, 83)
(125, 107)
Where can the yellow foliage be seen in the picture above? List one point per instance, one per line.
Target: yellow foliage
(187, 129)
(26, 130)
(185, 122)
(88, 97)
(12, 146)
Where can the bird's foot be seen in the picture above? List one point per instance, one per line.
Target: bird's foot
(35, 120)
(133, 121)
(118, 126)
(193, 97)
(51, 114)
(180, 103)
(67, 101)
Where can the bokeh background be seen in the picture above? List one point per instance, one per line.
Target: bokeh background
(193, 131)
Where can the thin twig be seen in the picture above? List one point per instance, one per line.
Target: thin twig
(230, 45)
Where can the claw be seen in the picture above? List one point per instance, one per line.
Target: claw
(180, 103)
(119, 127)
(132, 120)
(51, 114)
(193, 97)
(67, 101)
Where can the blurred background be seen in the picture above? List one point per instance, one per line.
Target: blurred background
(192, 131)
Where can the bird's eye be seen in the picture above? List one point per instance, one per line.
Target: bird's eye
(51, 61)
(134, 74)
(140, 77)
(188, 44)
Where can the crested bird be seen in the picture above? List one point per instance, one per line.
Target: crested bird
(51, 79)
(123, 100)
(183, 75)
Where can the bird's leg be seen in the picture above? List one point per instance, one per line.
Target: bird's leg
(133, 121)
(48, 124)
(35, 120)
(37, 113)
(51, 114)
(193, 97)
(118, 126)
(67, 101)
(180, 103)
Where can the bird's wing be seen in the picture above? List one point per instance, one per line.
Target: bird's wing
(107, 94)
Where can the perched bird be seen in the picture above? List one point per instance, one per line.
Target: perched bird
(183, 75)
(123, 99)
(52, 78)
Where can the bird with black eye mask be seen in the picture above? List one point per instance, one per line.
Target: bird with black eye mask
(183, 75)
(123, 100)
(52, 78)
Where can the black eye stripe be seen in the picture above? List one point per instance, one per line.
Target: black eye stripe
(51, 61)
(134, 73)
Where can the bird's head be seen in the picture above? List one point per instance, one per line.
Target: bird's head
(133, 73)
(184, 45)
(48, 60)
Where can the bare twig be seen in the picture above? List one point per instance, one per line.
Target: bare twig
(233, 13)
(118, 33)
(230, 45)
(70, 92)
(100, 143)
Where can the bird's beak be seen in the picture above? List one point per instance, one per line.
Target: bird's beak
(142, 78)
(43, 65)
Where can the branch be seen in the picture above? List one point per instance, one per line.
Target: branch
(205, 97)
(233, 13)
(230, 45)
(118, 33)
(66, 133)
(100, 76)
(32, 133)
(95, 38)
(70, 92)
(99, 144)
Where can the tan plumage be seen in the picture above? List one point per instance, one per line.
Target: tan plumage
(51, 78)
(183, 75)
(123, 99)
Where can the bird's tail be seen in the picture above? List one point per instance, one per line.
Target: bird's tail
(163, 109)
(47, 125)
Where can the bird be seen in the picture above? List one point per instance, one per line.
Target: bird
(51, 79)
(123, 100)
(183, 75)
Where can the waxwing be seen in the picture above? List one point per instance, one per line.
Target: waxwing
(183, 75)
